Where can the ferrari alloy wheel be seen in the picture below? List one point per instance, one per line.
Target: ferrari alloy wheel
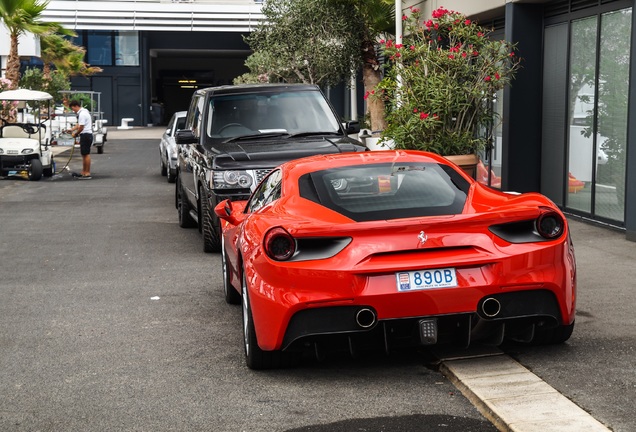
(185, 220)
(231, 295)
(255, 357)
(253, 354)
(211, 241)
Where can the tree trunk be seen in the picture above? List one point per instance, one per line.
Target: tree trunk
(46, 74)
(13, 63)
(371, 77)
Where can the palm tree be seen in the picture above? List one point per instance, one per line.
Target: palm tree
(378, 17)
(67, 57)
(21, 16)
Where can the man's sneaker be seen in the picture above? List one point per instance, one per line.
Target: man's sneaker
(84, 177)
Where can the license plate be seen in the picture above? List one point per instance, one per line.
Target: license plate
(426, 279)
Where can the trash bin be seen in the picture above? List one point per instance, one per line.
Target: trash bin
(156, 113)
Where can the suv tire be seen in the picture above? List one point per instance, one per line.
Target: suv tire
(209, 226)
(183, 208)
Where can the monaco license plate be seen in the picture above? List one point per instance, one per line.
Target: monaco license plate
(426, 279)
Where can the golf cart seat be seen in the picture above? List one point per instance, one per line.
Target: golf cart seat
(21, 130)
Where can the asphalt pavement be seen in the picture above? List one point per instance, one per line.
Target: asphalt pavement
(110, 326)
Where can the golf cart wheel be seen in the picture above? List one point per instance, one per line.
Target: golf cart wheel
(36, 170)
(48, 172)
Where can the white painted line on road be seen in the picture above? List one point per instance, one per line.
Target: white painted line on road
(514, 399)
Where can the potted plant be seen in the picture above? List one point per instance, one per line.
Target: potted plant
(440, 82)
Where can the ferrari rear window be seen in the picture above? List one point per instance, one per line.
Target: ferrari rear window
(387, 191)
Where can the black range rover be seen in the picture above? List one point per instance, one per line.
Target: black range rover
(234, 135)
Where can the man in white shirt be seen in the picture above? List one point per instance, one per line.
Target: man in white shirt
(83, 128)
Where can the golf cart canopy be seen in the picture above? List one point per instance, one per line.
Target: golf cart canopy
(24, 95)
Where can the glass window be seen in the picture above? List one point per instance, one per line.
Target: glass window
(193, 119)
(611, 133)
(99, 50)
(582, 93)
(127, 48)
(288, 112)
(269, 191)
(387, 191)
(598, 114)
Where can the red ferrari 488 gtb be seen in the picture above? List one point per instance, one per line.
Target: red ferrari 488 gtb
(392, 248)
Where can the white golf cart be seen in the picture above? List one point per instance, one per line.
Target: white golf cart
(25, 144)
(65, 120)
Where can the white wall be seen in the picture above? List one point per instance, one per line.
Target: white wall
(467, 7)
(28, 44)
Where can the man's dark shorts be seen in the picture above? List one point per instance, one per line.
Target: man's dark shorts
(86, 141)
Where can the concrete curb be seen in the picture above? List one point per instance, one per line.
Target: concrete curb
(514, 399)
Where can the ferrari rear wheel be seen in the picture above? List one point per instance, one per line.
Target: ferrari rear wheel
(231, 295)
(552, 336)
(255, 357)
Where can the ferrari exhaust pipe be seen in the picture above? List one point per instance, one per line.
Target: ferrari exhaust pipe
(365, 318)
(491, 307)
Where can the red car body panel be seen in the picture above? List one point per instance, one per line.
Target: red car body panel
(364, 272)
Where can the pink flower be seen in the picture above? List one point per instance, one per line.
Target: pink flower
(404, 17)
(366, 96)
(512, 54)
(398, 46)
(451, 56)
(423, 116)
(464, 54)
(497, 76)
(412, 47)
(480, 34)
(382, 41)
(440, 12)
(428, 24)
(487, 78)
(467, 22)
(414, 110)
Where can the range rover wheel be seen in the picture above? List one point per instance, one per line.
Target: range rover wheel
(183, 209)
(209, 226)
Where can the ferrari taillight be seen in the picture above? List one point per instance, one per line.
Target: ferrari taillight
(279, 244)
(550, 225)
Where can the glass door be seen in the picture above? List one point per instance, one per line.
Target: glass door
(597, 107)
